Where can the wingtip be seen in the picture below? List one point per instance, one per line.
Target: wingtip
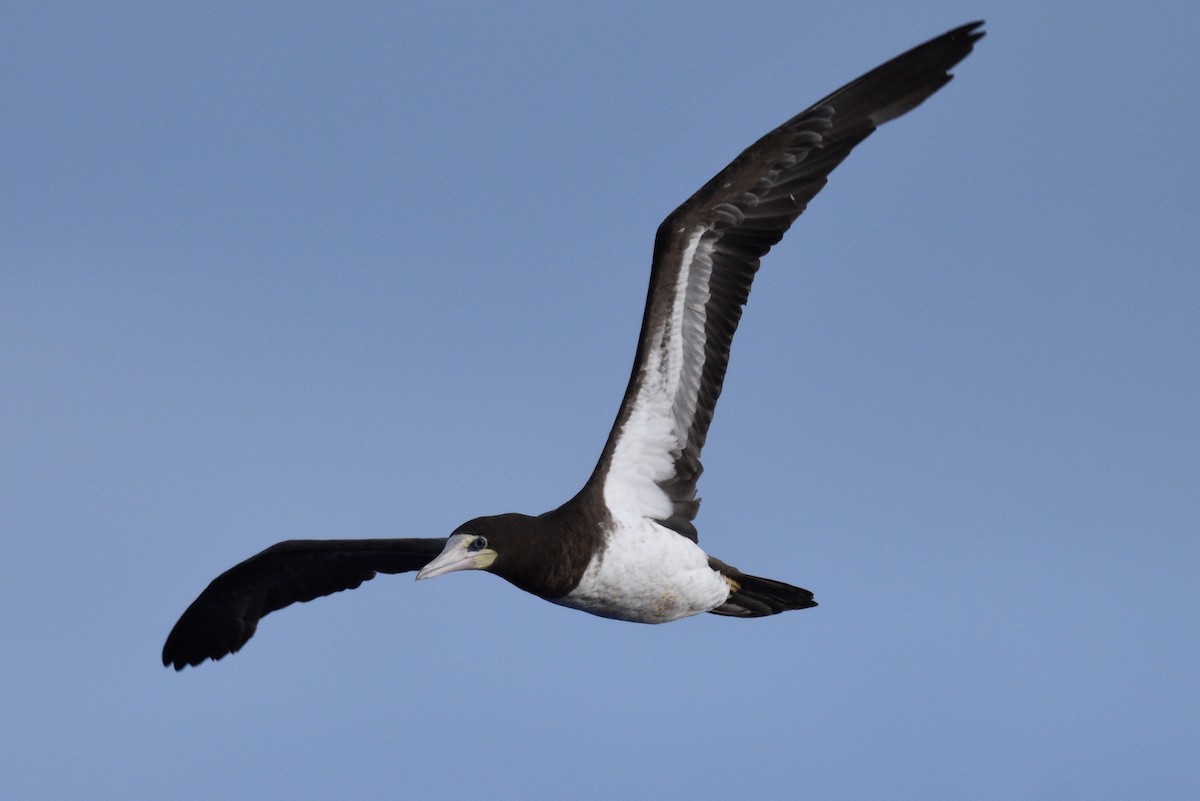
(179, 662)
(970, 31)
(190, 644)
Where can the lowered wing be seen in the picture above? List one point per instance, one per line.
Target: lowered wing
(226, 614)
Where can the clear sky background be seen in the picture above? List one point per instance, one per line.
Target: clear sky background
(325, 270)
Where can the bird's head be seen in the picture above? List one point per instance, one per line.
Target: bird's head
(475, 545)
(533, 553)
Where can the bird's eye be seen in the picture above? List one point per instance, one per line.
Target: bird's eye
(477, 544)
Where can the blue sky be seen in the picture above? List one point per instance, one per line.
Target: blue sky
(308, 270)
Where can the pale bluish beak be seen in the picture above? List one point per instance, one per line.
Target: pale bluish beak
(456, 556)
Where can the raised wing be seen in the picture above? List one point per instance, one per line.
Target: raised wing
(224, 617)
(705, 256)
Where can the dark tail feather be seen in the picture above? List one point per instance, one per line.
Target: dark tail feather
(758, 597)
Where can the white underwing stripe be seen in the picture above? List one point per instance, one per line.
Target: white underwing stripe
(656, 430)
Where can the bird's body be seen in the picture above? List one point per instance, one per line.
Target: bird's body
(625, 546)
(647, 573)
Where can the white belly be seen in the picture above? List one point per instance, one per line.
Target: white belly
(648, 574)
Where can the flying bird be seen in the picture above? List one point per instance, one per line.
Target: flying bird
(625, 546)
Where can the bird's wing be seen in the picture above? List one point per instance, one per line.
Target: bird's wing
(705, 256)
(224, 617)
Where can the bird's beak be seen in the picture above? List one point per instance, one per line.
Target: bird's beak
(455, 556)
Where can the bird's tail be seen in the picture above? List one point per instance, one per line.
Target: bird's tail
(752, 596)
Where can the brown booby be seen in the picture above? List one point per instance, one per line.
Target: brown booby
(624, 547)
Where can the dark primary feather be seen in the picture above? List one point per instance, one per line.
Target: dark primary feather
(745, 209)
(226, 614)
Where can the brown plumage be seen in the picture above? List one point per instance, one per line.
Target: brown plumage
(630, 529)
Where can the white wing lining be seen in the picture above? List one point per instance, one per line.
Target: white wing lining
(655, 433)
